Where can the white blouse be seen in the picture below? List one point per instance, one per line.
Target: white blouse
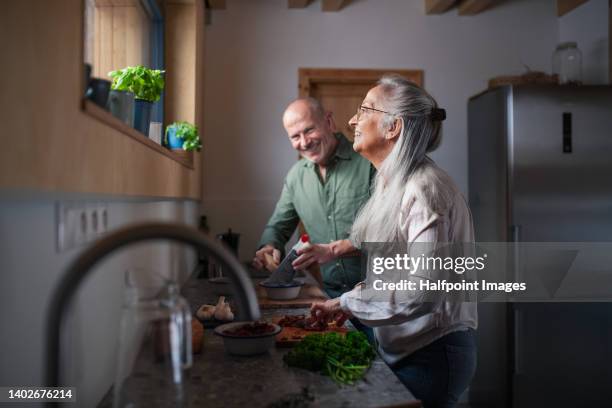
(433, 211)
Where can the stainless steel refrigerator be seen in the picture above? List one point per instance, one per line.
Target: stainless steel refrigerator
(540, 170)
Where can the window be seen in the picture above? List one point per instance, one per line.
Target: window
(121, 33)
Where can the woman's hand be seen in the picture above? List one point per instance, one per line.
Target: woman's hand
(329, 311)
(314, 253)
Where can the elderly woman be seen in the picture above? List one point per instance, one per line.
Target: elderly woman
(431, 349)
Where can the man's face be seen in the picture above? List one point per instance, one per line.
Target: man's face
(312, 136)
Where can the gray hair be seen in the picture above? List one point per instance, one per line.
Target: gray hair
(378, 220)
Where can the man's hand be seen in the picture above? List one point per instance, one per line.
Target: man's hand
(259, 261)
(329, 311)
(314, 253)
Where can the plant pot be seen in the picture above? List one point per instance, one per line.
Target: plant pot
(87, 78)
(171, 141)
(121, 105)
(142, 115)
(97, 91)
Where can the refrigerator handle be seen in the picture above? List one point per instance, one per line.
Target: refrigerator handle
(515, 233)
(517, 349)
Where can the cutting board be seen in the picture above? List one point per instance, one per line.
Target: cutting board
(308, 295)
(290, 336)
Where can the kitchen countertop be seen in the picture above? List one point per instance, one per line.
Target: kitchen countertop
(222, 380)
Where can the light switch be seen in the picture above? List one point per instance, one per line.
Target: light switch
(79, 223)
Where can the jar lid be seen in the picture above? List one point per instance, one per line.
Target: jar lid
(567, 44)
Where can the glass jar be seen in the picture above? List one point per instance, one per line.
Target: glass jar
(567, 63)
(556, 59)
(154, 348)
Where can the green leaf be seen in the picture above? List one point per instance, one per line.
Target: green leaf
(186, 132)
(144, 83)
(345, 359)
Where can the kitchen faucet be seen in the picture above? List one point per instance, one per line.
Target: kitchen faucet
(248, 308)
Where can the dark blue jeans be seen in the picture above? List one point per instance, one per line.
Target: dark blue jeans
(438, 373)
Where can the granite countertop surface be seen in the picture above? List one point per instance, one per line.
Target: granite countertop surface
(218, 379)
(223, 380)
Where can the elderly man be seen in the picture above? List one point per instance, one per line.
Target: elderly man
(324, 190)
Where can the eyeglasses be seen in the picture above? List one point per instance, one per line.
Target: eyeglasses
(362, 109)
(436, 114)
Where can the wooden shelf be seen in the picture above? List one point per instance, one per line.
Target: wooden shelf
(105, 116)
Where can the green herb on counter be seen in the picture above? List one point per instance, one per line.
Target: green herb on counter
(345, 373)
(345, 359)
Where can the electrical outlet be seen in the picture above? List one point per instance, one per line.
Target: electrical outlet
(103, 213)
(71, 225)
(97, 221)
(93, 222)
(79, 223)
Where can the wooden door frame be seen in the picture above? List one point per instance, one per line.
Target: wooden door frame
(311, 76)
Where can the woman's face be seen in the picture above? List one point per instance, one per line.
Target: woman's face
(370, 141)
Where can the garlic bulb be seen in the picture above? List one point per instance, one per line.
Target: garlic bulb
(223, 310)
(206, 312)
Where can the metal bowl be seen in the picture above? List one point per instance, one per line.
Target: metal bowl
(282, 291)
(246, 345)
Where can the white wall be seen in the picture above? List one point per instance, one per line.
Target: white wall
(254, 49)
(253, 52)
(588, 26)
(30, 267)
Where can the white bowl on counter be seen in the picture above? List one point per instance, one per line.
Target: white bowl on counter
(246, 345)
(282, 291)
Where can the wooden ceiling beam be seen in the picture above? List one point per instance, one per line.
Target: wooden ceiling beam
(116, 3)
(565, 6)
(216, 4)
(438, 6)
(334, 5)
(473, 7)
(296, 4)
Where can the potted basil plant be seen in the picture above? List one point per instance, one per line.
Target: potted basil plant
(120, 99)
(147, 85)
(182, 136)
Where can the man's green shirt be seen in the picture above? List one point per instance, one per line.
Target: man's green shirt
(326, 208)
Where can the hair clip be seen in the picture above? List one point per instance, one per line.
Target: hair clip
(438, 114)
